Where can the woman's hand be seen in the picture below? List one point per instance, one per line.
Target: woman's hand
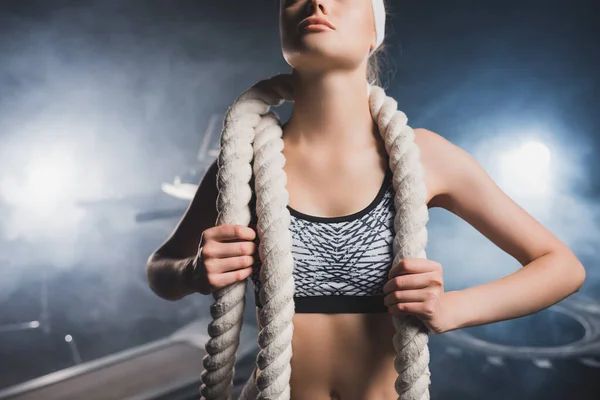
(416, 287)
(226, 255)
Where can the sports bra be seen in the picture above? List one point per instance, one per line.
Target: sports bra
(341, 263)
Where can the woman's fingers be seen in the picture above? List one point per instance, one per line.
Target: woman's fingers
(231, 249)
(219, 280)
(407, 282)
(223, 265)
(406, 296)
(229, 232)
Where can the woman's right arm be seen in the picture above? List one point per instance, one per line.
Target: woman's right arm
(170, 267)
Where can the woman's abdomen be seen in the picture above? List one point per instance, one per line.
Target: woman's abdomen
(343, 357)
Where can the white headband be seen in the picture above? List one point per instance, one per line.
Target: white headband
(379, 13)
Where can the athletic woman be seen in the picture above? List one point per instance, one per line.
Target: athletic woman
(341, 202)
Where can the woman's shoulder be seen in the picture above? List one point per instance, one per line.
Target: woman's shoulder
(431, 143)
(437, 156)
(449, 169)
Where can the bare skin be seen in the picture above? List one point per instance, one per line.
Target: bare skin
(343, 356)
(350, 356)
(332, 148)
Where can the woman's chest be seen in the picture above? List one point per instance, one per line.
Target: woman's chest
(341, 263)
(348, 255)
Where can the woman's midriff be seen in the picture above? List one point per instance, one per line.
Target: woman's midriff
(343, 357)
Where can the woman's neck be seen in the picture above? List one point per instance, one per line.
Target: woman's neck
(330, 110)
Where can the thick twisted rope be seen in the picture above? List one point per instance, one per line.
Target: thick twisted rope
(252, 135)
(410, 340)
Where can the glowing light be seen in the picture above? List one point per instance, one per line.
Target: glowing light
(68, 338)
(527, 169)
(48, 181)
(41, 193)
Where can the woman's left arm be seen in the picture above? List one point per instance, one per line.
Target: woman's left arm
(550, 270)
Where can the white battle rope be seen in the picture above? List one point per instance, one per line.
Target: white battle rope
(251, 142)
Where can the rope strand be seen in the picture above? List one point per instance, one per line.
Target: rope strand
(251, 143)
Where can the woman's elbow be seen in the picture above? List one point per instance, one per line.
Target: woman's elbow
(580, 276)
(574, 273)
(163, 278)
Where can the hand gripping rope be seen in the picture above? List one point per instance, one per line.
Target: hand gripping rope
(251, 142)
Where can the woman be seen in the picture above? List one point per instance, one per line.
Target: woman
(342, 326)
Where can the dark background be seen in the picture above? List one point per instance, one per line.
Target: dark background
(102, 101)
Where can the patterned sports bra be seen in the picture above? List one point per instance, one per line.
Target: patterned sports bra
(341, 263)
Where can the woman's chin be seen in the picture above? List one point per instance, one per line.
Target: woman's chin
(311, 54)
